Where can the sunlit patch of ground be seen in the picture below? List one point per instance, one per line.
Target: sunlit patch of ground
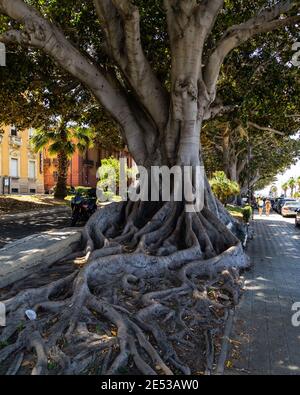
(10, 204)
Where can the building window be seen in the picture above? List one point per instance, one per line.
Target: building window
(15, 190)
(32, 170)
(14, 167)
(32, 191)
(13, 131)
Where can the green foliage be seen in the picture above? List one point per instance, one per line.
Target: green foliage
(256, 79)
(247, 213)
(109, 176)
(274, 190)
(285, 187)
(83, 190)
(66, 140)
(222, 187)
(258, 82)
(240, 212)
(36, 93)
(292, 184)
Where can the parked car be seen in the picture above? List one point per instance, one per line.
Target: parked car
(289, 208)
(277, 202)
(297, 218)
(272, 202)
(281, 202)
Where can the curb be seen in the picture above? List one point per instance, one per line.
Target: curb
(25, 256)
(29, 214)
(225, 344)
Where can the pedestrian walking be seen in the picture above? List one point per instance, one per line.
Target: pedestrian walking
(268, 206)
(260, 206)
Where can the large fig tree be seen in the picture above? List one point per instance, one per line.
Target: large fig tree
(147, 264)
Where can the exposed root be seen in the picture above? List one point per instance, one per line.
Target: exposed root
(150, 298)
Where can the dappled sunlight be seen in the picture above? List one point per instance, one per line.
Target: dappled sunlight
(18, 228)
(272, 344)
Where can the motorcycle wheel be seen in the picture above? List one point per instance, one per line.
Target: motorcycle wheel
(75, 218)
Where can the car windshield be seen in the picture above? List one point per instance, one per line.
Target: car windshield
(293, 204)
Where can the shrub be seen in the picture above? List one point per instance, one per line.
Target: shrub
(247, 213)
(222, 187)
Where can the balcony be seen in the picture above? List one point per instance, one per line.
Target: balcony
(15, 141)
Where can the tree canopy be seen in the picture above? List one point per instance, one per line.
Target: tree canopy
(257, 89)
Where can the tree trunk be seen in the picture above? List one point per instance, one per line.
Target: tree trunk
(61, 185)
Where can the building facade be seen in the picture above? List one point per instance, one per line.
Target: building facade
(82, 168)
(21, 169)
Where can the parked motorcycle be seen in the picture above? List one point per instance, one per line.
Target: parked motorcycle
(83, 207)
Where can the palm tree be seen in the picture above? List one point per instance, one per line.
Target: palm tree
(292, 184)
(298, 183)
(273, 190)
(285, 187)
(63, 142)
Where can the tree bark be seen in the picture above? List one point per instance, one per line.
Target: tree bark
(61, 185)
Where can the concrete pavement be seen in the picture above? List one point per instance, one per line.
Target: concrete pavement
(33, 253)
(264, 341)
(17, 226)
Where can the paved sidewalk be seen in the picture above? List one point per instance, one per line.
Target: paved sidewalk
(17, 226)
(43, 211)
(264, 340)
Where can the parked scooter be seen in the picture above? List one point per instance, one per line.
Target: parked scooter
(83, 207)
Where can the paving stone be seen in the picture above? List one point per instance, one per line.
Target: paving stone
(269, 344)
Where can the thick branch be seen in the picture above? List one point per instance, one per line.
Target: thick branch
(131, 59)
(252, 182)
(217, 110)
(241, 167)
(40, 33)
(264, 128)
(207, 13)
(267, 20)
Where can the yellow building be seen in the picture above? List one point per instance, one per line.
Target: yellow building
(21, 170)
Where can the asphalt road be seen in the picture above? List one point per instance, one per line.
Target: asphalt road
(16, 228)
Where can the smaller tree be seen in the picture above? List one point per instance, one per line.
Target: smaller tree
(62, 141)
(223, 187)
(273, 190)
(292, 184)
(285, 187)
(298, 183)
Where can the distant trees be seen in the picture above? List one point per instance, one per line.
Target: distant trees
(292, 185)
(285, 187)
(298, 184)
(274, 190)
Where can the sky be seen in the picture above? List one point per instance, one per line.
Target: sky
(293, 171)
